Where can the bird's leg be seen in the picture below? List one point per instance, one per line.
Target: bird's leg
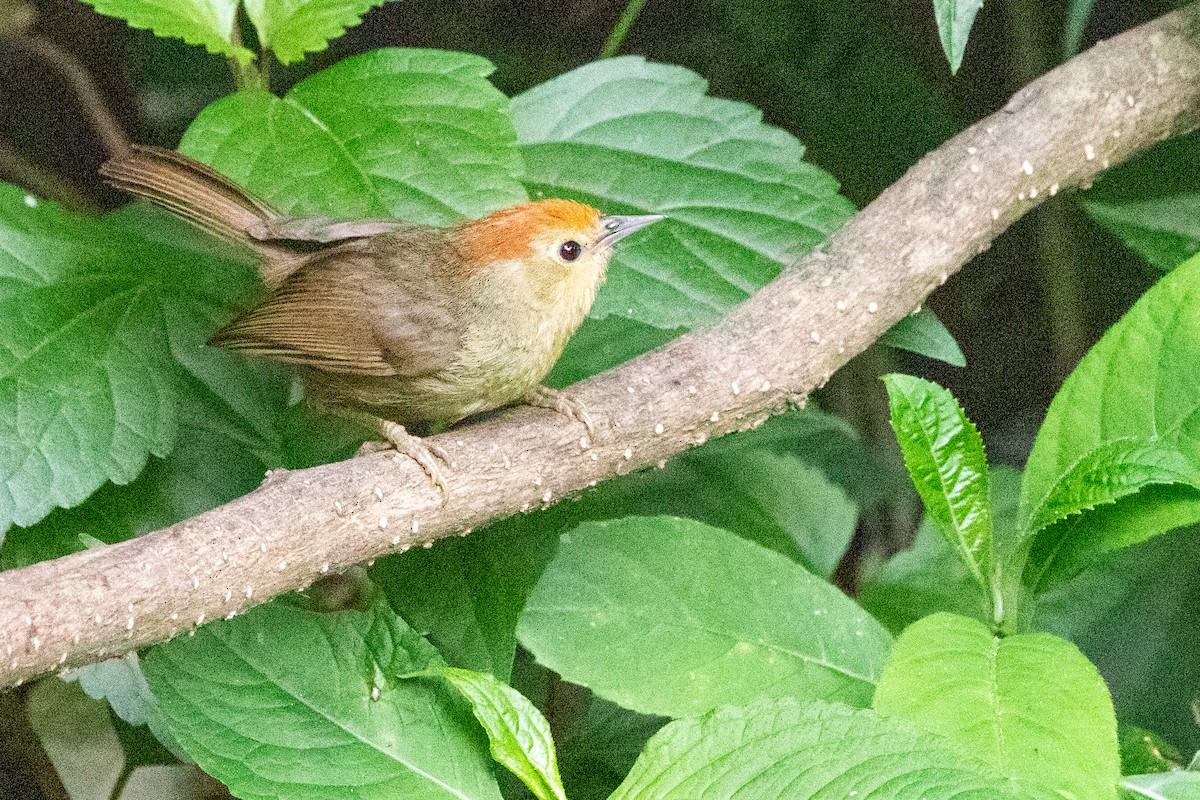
(430, 457)
(553, 399)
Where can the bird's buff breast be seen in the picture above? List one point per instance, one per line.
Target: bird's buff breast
(503, 355)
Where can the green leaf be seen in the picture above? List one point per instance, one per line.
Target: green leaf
(924, 334)
(954, 20)
(1144, 752)
(673, 617)
(291, 28)
(630, 136)
(78, 736)
(284, 702)
(1115, 469)
(1177, 785)
(121, 683)
(205, 22)
(103, 333)
(944, 455)
(1140, 384)
(783, 749)
(1030, 705)
(518, 734)
(465, 594)
(1077, 17)
(1152, 202)
(416, 134)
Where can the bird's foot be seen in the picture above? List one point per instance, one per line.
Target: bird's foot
(553, 399)
(431, 457)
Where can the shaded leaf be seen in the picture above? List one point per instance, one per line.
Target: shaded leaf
(670, 616)
(77, 735)
(924, 334)
(1077, 16)
(1145, 752)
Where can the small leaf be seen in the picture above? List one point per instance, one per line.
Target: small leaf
(954, 20)
(517, 732)
(205, 22)
(629, 136)
(784, 749)
(944, 455)
(284, 702)
(1141, 385)
(1146, 752)
(78, 737)
(1030, 705)
(121, 683)
(291, 28)
(1177, 785)
(673, 617)
(1077, 17)
(924, 334)
(419, 135)
(1152, 203)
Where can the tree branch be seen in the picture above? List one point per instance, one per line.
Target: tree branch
(1059, 132)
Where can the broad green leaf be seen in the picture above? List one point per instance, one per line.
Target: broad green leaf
(1152, 202)
(1031, 705)
(518, 734)
(1115, 469)
(673, 617)
(415, 134)
(629, 136)
(205, 22)
(945, 458)
(104, 324)
(1177, 785)
(78, 736)
(120, 682)
(784, 749)
(1144, 752)
(465, 595)
(1140, 384)
(1077, 17)
(924, 334)
(291, 28)
(285, 702)
(954, 20)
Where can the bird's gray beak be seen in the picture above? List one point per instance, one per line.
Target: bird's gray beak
(618, 227)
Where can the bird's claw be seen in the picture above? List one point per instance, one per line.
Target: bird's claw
(569, 407)
(430, 457)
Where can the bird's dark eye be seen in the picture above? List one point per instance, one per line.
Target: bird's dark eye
(570, 250)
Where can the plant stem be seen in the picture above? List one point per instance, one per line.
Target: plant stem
(245, 76)
(73, 73)
(623, 25)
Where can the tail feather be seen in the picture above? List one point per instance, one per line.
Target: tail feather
(205, 198)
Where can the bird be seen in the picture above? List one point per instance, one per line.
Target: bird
(403, 328)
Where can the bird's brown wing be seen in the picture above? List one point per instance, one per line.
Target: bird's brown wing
(358, 310)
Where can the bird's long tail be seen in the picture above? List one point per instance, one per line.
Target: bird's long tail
(203, 197)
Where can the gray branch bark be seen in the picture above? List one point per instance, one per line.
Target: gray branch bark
(1059, 132)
